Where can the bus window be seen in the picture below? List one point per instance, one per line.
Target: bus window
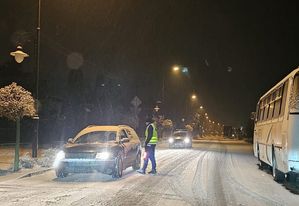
(284, 95)
(262, 114)
(271, 108)
(294, 98)
(266, 110)
(277, 107)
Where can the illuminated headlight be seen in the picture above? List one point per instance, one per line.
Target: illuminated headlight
(103, 155)
(187, 140)
(59, 156)
(170, 140)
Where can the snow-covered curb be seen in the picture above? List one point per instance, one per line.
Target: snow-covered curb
(36, 172)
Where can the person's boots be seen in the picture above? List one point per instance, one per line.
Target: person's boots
(141, 171)
(152, 172)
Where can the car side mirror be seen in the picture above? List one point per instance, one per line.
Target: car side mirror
(70, 140)
(125, 139)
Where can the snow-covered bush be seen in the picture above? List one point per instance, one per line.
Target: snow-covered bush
(16, 102)
(48, 157)
(26, 161)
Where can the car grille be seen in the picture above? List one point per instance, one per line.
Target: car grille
(80, 155)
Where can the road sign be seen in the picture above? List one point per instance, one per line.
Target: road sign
(136, 101)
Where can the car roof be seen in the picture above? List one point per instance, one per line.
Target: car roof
(94, 128)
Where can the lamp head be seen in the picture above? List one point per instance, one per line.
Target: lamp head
(19, 55)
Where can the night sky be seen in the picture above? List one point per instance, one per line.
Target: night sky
(235, 50)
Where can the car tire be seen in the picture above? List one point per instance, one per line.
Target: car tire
(278, 176)
(60, 173)
(137, 162)
(118, 169)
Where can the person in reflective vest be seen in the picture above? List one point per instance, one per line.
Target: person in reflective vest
(151, 135)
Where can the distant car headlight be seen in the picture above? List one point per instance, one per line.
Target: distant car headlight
(59, 156)
(103, 155)
(171, 140)
(187, 140)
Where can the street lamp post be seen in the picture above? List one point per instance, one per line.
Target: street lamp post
(175, 69)
(19, 56)
(37, 51)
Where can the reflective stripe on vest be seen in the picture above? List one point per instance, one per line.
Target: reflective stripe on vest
(154, 138)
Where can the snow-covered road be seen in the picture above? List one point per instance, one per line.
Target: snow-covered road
(209, 174)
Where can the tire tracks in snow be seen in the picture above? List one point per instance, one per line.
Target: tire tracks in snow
(141, 192)
(239, 186)
(209, 179)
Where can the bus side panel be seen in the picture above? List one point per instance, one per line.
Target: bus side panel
(293, 142)
(256, 138)
(279, 142)
(264, 143)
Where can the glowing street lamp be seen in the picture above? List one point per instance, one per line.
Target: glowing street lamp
(19, 55)
(193, 97)
(176, 68)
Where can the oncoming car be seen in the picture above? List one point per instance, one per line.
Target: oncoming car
(180, 139)
(105, 149)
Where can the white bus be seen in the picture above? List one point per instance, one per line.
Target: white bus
(276, 130)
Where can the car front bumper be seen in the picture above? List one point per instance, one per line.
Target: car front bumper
(87, 165)
(180, 144)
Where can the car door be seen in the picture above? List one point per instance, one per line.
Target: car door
(126, 145)
(133, 143)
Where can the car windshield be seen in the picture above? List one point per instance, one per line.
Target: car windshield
(180, 134)
(97, 137)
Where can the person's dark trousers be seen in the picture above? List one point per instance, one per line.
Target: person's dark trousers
(150, 154)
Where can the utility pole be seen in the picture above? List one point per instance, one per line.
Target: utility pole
(37, 51)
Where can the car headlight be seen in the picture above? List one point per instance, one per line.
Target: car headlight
(170, 140)
(103, 155)
(59, 156)
(187, 140)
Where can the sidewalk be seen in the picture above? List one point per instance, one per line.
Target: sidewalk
(22, 173)
(7, 154)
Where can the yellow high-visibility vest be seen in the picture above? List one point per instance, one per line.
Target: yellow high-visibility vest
(154, 138)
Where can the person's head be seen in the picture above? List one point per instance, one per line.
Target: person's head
(148, 121)
(155, 120)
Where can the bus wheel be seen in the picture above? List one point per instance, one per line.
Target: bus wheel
(278, 176)
(292, 182)
(263, 166)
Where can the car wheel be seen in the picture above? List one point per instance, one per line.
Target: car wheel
(137, 162)
(278, 176)
(60, 173)
(118, 169)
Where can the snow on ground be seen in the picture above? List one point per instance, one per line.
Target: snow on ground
(210, 174)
